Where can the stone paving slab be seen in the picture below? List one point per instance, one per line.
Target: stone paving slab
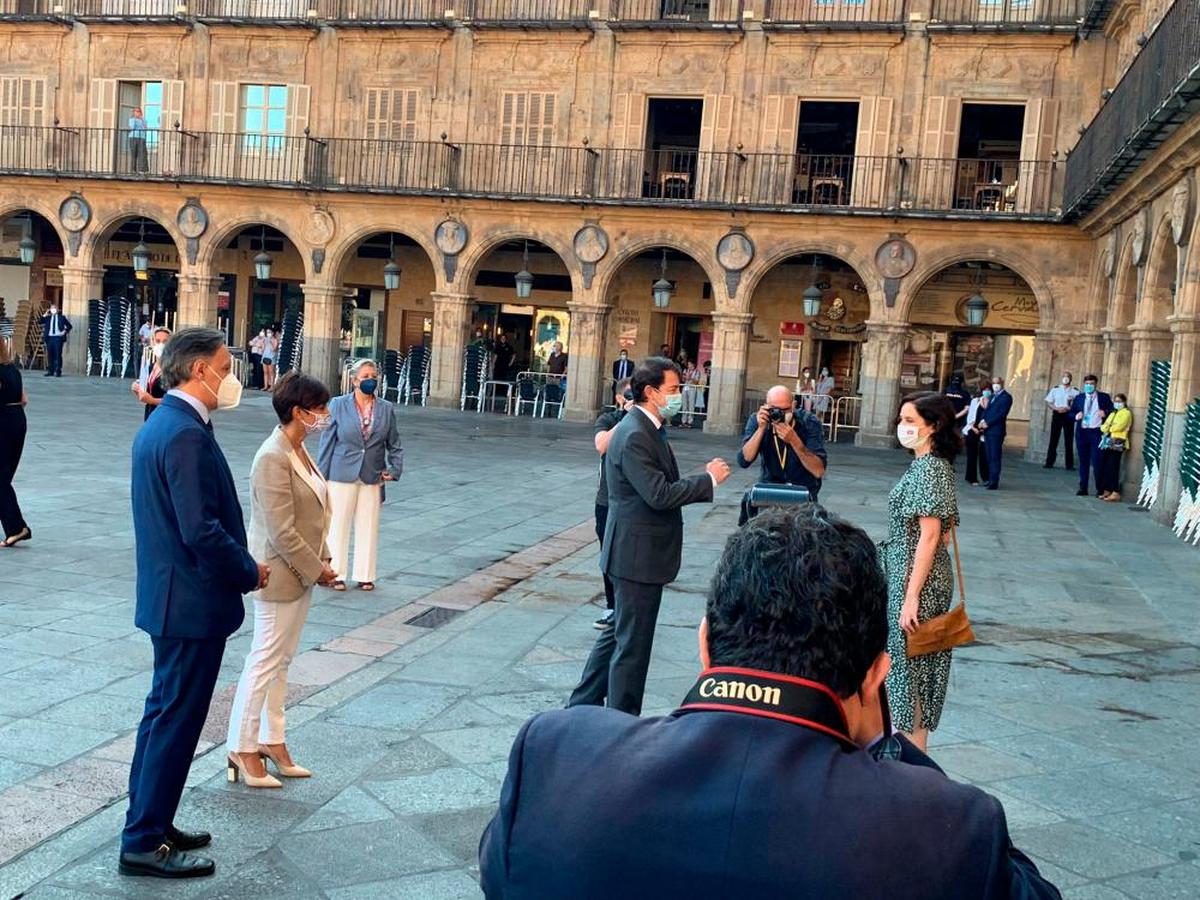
(1078, 709)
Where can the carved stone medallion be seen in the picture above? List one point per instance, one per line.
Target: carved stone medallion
(735, 251)
(74, 213)
(895, 258)
(1141, 229)
(450, 236)
(1181, 210)
(320, 227)
(1110, 255)
(591, 244)
(192, 219)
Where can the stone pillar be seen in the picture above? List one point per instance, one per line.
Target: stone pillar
(1053, 353)
(727, 386)
(1149, 342)
(1185, 386)
(322, 354)
(585, 363)
(198, 300)
(451, 322)
(79, 286)
(881, 359)
(1118, 355)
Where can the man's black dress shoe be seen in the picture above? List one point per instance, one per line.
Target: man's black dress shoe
(1082, 492)
(166, 862)
(186, 840)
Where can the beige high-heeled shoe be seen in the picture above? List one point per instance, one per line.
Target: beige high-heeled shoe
(286, 769)
(234, 768)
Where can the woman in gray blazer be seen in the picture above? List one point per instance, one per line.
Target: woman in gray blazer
(289, 518)
(359, 452)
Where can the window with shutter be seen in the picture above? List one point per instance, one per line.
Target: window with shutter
(391, 114)
(528, 118)
(22, 100)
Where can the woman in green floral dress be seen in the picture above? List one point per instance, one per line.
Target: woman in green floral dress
(921, 509)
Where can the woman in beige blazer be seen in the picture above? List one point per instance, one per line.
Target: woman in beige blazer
(289, 519)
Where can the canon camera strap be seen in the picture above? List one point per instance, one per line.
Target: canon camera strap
(782, 697)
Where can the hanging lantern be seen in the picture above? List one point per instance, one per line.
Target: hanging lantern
(141, 258)
(27, 250)
(524, 278)
(391, 271)
(662, 289)
(977, 310)
(262, 262)
(812, 294)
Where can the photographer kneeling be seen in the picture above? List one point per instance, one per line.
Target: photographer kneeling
(778, 776)
(790, 442)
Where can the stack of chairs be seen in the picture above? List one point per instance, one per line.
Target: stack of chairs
(414, 375)
(393, 362)
(291, 343)
(97, 340)
(477, 363)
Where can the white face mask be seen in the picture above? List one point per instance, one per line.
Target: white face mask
(157, 350)
(54, 310)
(228, 392)
(319, 423)
(997, 387)
(909, 436)
(1066, 380)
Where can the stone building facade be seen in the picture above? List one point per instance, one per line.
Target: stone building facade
(901, 156)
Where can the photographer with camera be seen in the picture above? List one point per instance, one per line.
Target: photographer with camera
(790, 442)
(606, 424)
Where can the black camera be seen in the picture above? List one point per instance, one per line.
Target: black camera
(775, 414)
(628, 395)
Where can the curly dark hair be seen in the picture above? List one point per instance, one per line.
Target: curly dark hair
(937, 411)
(651, 372)
(297, 390)
(799, 592)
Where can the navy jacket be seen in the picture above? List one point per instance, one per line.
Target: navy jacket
(64, 325)
(996, 414)
(192, 562)
(706, 804)
(1105, 401)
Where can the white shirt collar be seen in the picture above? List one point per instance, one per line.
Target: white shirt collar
(645, 412)
(191, 401)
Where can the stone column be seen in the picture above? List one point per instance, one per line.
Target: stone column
(198, 300)
(1118, 355)
(881, 358)
(1149, 342)
(585, 363)
(1185, 386)
(322, 353)
(451, 322)
(1053, 353)
(79, 286)
(727, 386)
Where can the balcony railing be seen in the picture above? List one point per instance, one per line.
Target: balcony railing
(1158, 91)
(833, 13)
(1009, 14)
(667, 13)
(335, 11)
(671, 177)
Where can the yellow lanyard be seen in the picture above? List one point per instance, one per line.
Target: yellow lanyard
(781, 452)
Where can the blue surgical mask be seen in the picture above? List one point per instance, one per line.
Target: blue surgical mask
(674, 405)
(1119, 405)
(1089, 389)
(368, 385)
(987, 394)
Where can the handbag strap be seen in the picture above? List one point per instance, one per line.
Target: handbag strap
(962, 587)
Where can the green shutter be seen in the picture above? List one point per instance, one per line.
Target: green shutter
(1187, 518)
(1156, 424)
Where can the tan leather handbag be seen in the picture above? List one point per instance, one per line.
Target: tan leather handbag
(949, 630)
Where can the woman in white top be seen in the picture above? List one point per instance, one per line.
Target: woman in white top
(289, 520)
(824, 388)
(691, 376)
(270, 351)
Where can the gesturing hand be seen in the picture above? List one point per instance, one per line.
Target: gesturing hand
(264, 575)
(718, 469)
(327, 576)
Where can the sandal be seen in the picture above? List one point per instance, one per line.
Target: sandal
(23, 535)
(366, 585)
(338, 585)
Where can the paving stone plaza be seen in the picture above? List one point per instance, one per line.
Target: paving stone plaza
(1079, 708)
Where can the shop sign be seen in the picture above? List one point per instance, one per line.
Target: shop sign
(792, 329)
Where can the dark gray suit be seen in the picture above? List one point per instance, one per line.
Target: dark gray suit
(643, 543)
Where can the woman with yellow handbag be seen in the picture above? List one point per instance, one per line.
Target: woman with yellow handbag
(922, 510)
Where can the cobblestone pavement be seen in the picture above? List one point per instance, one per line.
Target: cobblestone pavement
(1078, 709)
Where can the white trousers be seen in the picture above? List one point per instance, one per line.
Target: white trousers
(359, 504)
(257, 713)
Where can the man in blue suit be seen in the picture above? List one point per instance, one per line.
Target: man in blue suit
(778, 777)
(1089, 410)
(192, 569)
(55, 329)
(995, 427)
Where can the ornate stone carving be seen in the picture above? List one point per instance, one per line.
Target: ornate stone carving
(192, 222)
(318, 259)
(831, 63)
(1181, 210)
(735, 251)
(320, 227)
(450, 237)
(1141, 228)
(590, 245)
(895, 258)
(74, 213)
(1109, 259)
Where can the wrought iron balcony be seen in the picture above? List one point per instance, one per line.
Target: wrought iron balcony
(1159, 91)
(676, 178)
(677, 13)
(1008, 15)
(360, 12)
(834, 14)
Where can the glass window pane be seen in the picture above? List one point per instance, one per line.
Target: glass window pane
(153, 93)
(153, 116)
(277, 96)
(253, 121)
(276, 121)
(254, 95)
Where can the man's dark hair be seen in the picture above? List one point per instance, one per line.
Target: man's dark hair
(651, 372)
(1090, 378)
(799, 592)
(183, 349)
(937, 410)
(620, 387)
(296, 389)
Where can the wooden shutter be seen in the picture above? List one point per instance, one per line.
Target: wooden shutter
(22, 101)
(872, 151)
(391, 114)
(540, 125)
(716, 128)
(780, 115)
(939, 146)
(223, 108)
(172, 105)
(1035, 176)
(512, 117)
(170, 147)
(296, 116)
(102, 114)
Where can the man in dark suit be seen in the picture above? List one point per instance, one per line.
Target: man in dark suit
(994, 425)
(623, 367)
(1089, 410)
(778, 777)
(55, 328)
(643, 535)
(192, 569)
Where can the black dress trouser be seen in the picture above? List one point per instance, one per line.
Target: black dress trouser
(601, 521)
(12, 444)
(1061, 425)
(977, 466)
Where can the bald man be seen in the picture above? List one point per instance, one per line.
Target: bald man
(789, 441)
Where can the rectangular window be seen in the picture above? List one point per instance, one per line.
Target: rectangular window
(391, 114)
(264, 116)
(528, 118)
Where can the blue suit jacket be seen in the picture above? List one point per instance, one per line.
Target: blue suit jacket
(705, 804)
(64, 325)
(1105, 401)
(344, 456)
(996, 414)
(192, 562)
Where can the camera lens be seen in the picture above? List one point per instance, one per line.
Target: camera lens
(628, 395)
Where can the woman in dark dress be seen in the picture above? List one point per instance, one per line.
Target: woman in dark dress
(12, 442)
(149, 388)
